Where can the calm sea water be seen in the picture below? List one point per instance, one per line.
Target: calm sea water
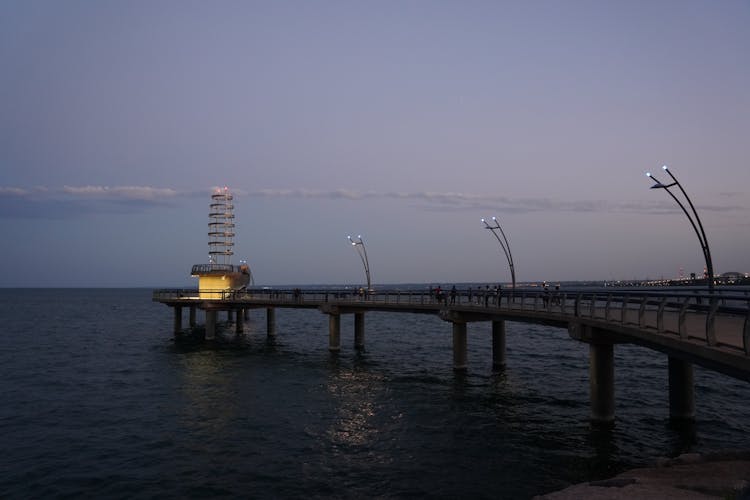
(99, 400)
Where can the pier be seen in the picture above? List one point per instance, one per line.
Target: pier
(691, 327)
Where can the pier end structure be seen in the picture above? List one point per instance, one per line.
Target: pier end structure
(219, 276)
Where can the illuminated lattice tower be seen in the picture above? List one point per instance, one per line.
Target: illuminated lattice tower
(221, 227)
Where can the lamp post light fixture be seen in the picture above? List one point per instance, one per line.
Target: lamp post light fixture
(695, 221)
(359, 246)
(495, 227)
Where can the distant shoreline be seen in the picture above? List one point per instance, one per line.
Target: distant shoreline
(686, 284)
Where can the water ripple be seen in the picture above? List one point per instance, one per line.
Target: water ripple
(100, 401)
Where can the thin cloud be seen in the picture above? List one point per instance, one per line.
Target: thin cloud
(12, 192)
(137, 193)
(142, 193)
(56, 202)
(437, 201)
(337, 194)
(70, 201)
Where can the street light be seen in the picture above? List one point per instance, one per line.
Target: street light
(696, 223)
(359, 246)
(503, 244)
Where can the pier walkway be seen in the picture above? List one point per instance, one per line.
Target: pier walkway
(691, 327)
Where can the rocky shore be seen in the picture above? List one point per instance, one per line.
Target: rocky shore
(724, 475)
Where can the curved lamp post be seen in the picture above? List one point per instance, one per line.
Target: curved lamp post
(359, 246)
(696, 223)
(503, 244)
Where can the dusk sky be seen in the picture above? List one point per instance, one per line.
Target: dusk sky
(404, 121)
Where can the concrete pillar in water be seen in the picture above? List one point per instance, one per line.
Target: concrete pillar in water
(459, 346)
(498, 344)
(359, 330)
(210, 324)
(238, 325)
(270, 321)
(602, 383)
(177, 319)
(192, 316)
(334, 332)
(246, 314)
(681, 394)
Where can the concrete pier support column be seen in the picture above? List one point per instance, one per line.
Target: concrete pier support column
(681, 393)
(498, 344)
(246, 314)
(239, 324)
(271, 321)
(192, 316)
(602, 383)
(210, 324)
(334, 332)
(459, 346)
(177, 319)
(359, 330)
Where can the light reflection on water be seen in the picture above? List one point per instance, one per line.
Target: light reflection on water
(210, 402)
(353, 390)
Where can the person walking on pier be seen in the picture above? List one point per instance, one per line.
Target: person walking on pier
(556, 295)
(453, 294)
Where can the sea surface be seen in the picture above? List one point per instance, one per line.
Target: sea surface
(98, 400)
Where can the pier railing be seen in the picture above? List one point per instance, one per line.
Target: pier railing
(719, 319)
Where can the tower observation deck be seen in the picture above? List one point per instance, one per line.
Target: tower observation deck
(221, 227)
